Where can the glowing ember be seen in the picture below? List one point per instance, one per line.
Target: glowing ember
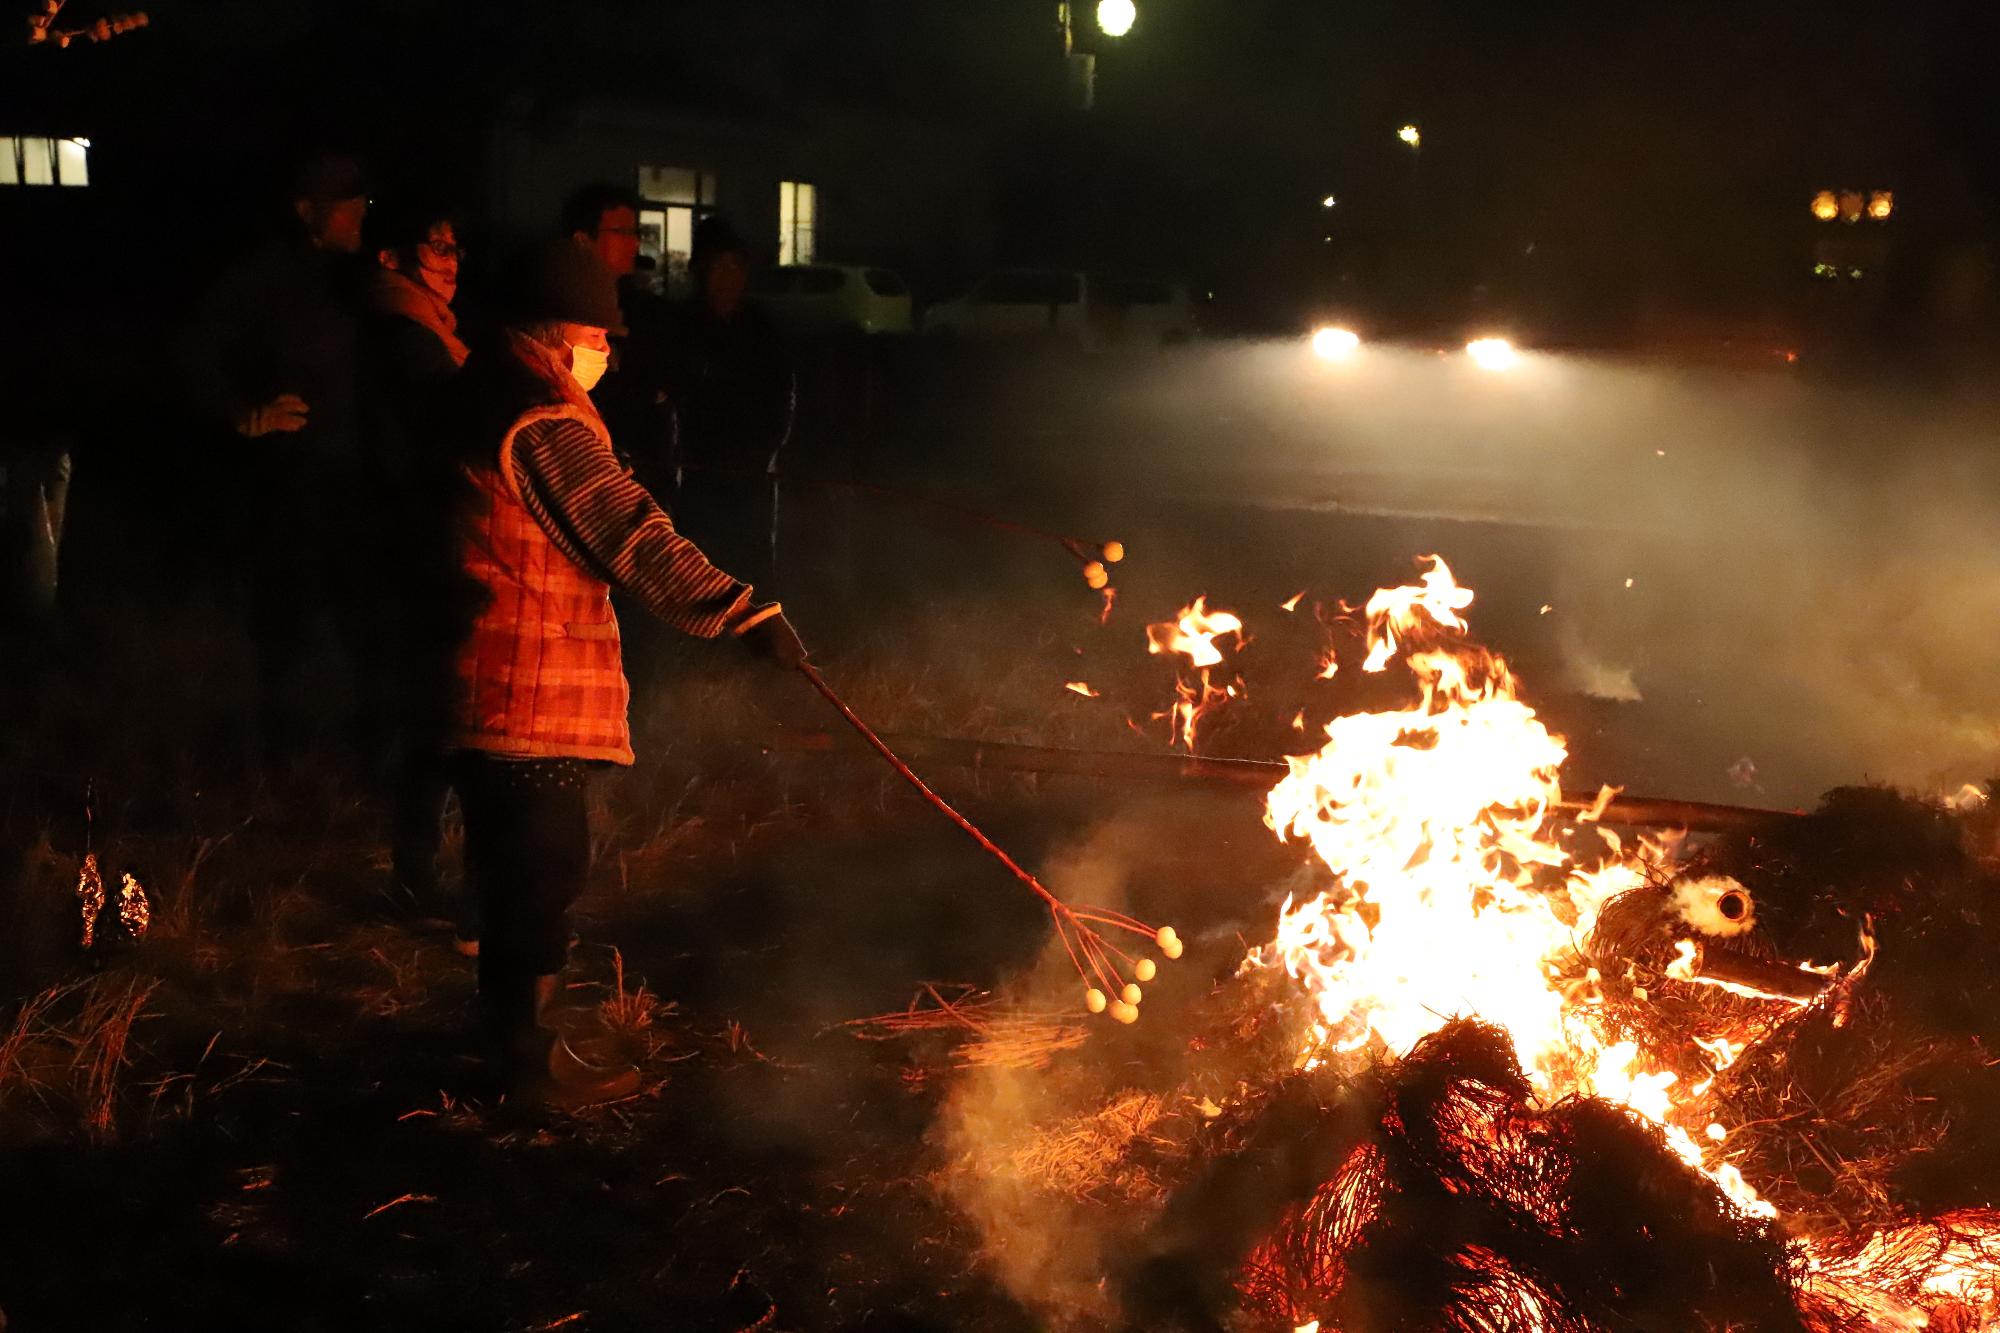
(1082, 688)
(135, 913)
(1193, 635)
(89, 897)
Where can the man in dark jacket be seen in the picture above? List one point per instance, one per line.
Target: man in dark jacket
(604, 220)
(272, 347)
(730, 387)
(272, 357)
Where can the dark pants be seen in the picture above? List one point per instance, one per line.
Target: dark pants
(527, 852)
(310, 544)
(423, 785)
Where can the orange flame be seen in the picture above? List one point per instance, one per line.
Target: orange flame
(1193, 635)
(1451, 895)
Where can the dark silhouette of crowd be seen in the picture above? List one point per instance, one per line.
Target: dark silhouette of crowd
(447, 508)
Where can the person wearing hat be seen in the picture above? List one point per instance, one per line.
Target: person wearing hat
(272, 358)
(551, 522)
(732, 391)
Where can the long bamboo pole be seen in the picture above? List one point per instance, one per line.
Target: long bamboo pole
(1009, 757)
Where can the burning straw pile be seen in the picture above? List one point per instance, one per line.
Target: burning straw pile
(1444, 1190)
(1432, 1193)
(1487, 1078)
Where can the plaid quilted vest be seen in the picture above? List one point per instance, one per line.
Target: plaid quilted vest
(540, 673)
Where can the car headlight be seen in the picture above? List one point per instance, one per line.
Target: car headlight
(1330, 343)
(1492, 353)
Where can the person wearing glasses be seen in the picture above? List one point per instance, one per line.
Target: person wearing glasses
(410, 292)
(632, 397)
(411, 354)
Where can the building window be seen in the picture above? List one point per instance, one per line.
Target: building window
(674, 199)
(798, 222)
(39, 161)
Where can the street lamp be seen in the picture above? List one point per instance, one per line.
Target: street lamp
(1328, 202)
(1116, 17)
(1412, 136)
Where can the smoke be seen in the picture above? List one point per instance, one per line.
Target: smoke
(1041, 1245)
(1776, 561)
(1038, 1159)
(1812, 588)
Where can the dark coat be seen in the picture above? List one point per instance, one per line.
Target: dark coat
(729, 383)
(284, 320)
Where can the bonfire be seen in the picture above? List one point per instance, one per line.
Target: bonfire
(1502, 1067)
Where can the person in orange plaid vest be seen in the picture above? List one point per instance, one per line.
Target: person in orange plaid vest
(551, 522)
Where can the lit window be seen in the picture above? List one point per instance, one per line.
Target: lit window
(674, 198)
(35, 160)
(798, 222)
(73, 161)
(685, 186)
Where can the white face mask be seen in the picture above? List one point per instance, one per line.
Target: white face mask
(587, 366)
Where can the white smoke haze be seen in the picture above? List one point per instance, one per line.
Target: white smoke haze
(1034, 1156)
(1774, 561)
(1038, 1243)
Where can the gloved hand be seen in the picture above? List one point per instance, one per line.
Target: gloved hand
(286, 412)
(773, 639)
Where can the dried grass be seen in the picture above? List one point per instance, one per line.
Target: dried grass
(67, 1049)
(983, 1031)
(635, 1011)
(1092, 1156)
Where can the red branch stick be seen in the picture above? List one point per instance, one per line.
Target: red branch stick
(1088, 951)
(944, 807)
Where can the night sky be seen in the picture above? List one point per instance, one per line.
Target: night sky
(1675, 133)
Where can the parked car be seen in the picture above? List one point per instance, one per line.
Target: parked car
(835, 298)
(1085, 309)
(1143, 312)
(1016, 303)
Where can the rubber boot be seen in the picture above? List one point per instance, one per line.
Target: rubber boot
(540, 1068)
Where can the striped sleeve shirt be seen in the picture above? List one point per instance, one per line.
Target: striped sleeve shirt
(598, 516)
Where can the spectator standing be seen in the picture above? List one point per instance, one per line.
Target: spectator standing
(412, 353)
(554, 521)
(731, 389)
(271, 356)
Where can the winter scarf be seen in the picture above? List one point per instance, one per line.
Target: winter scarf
(390, 293)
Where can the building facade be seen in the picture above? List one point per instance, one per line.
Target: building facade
(832, 187)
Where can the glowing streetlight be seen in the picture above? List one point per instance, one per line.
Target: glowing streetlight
(1412, 136)
(1881, 204)
(1492, 353)
(1328, 202)
(1116, 17)
(1826, 206)
(1335, 344)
